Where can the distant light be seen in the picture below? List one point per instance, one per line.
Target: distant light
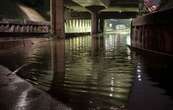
(139, 76)
(138, 66)
(111, 95)
(138, 70)
(112, 82)
(140, 79)
(112, 89)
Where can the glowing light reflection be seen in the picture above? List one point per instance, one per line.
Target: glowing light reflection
(22, 101)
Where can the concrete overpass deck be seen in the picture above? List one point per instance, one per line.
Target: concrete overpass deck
(109, 5)
(98, 9)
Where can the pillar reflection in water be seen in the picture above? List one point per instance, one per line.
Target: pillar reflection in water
(58, 64)
(97, 45)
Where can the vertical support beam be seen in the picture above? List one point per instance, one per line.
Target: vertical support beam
(94, 20)
(132, 33)
(101, 25)
(95, 10)
(141, 6)
(57, 18)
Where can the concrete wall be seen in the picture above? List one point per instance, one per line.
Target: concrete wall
(16, 9)
(153, 32)
(78, 26)
(166, 4)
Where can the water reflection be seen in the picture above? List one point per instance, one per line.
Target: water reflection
(152, 83)
(98, 72)
(90, 73)
(86, 73)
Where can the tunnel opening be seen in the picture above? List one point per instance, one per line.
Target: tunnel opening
(121, 26)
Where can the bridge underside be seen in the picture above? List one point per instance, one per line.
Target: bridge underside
(97, 10)
(103, 15)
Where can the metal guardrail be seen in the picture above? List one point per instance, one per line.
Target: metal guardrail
(25, 26)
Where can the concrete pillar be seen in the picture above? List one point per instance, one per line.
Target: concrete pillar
(141, 6)
(146, 37)
(57, 18)
(95, 10)
(101, 25)
(94, 21)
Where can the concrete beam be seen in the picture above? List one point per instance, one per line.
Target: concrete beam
(106, 2)
(95, 10)
(86, 3)
(121, 9)
(124, 3)
(70, 14)
(117, 15)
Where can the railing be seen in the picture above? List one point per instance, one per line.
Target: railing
(25, 26)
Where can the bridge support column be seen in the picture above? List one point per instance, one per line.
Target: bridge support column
(57, 18)
(101, 25)
(141, 7)
(95, 22)
(95, 26)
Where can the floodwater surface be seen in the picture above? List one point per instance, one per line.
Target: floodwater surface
(92, 73)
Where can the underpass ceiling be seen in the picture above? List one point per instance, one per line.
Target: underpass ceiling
(86, 3)
(124, 3)
(77, 8)
(120, 9)
(110, 5)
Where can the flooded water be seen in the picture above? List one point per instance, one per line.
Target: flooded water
(92, 73)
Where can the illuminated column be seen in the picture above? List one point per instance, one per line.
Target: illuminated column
(70, 25)
(84, 26)
(73, 25)
(65, 26)
(76, 24)
(87, 24)
(80, 25)
(90, 25)
(57, 18)
(83, 30)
